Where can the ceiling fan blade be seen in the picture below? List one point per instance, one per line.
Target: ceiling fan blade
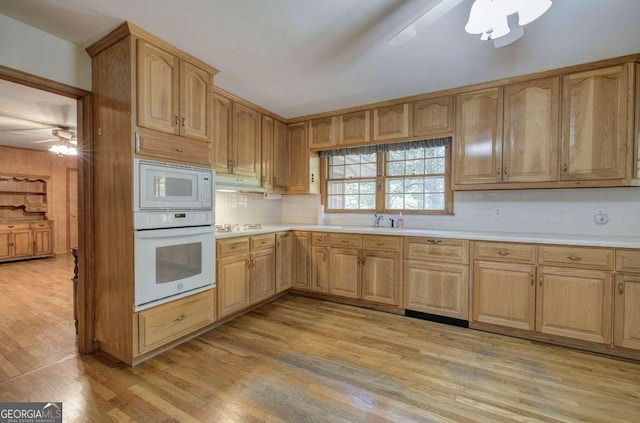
(47, 140)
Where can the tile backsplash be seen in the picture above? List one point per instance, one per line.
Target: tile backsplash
(562, 211)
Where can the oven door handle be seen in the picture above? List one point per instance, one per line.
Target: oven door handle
(174, 232)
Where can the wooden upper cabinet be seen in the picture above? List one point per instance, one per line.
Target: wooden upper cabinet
(268, 127)
(221, 112)
(195, 86)
(433, 116)
(246, 141)
(391, 122)
(158, 85)
(353, 128)
(298, 158)
(173, 95)
(322, 132)
(595, 124)
(531, 131)
(280, 156)
(478, 146)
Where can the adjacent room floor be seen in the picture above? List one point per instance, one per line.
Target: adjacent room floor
(36, 314)
(299, 359)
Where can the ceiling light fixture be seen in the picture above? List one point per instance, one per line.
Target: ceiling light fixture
(489, 17)
(65, 145)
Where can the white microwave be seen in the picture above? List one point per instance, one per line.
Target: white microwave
(167, 186)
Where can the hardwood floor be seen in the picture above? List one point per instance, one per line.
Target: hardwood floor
(300, 359)
(36, 314)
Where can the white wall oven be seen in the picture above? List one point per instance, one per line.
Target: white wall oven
(174, 240)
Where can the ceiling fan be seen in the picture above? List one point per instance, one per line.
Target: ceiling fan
(18, 131)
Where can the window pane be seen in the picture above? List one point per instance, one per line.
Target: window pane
(352, 187)
(415, 167)
(368, 201)
(435, 166)
(352, 171)
(395, 169)
(336, 160)
(435, 152)
(368, 188)
(335, 202)
(434, 185)
(368, 170)
(414, 201)
(395, 185)
(395, 201)
(434, 201)
(336, 172)
(414, 185)
(395, 155)
(369, 157)
(335, 188)
(417, 153)
(351, 202)
(352, 159)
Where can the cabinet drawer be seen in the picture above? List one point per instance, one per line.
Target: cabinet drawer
(437, 249)
(230, 246)
(259, 242)
(345, 240)
(583, 257)
(162, 324)
(172, 147)
(41, 225)
(497, 251)
(628, 260)
(319, 239)
(382, 243)
(12, 226)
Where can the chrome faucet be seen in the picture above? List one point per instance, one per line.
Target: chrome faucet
(377, 219)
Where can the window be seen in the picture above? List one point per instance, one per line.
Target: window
(407, 177)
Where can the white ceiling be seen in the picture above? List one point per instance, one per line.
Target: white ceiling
(28, 115)
(297, 57)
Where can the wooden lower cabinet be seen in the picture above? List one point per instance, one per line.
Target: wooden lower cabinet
(302, 260)
(381, 276)
(262, 274)
(504, 294)
(345, 275)
(42, 239)
(16, 241)
(574, 303)
(319, 269)
(626, 324)
(167, 322)
(233, 283)
(440, 289)
(284, 261)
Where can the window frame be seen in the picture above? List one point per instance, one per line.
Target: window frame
(381, 189)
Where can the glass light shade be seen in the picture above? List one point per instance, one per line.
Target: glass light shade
(64, 149)
(530, 10)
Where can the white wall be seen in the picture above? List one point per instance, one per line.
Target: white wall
(239, 207)
(30, 50)
(564, 211)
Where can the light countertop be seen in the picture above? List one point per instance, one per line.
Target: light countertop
(565, 239)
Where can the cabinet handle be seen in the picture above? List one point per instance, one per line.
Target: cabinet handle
(359, 262)
(498, 171)
(11, 226)
(504, 170)
(503, 253)
(533, 279)
(574, 258)
(364, 260)
(177, 123)
(621, 288)
(324, 257)
(248, 264)
(278, 244)
(264, 179)
(379, 244)
(345, 241)
(183, 121)
(564, 167)
(234, 247)
(540, 279)
(275, 179)
(181, 317)
(434, 241)
(178, 150)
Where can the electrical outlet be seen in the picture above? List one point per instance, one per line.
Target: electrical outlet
(498, 212)
(600, 217)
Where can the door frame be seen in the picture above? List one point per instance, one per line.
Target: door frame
(68, 216)
(85, 299)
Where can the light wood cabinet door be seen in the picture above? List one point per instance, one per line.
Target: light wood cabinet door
(381, 277)
(233, 284)
(531, 131)
(195, 88)
(221, 139)
(280, 156)
(5, 245)
(433, 116)
(263, 275)
(246, 141)
(626, 326)
(595, 124)
(353, 128)
(322, 132)
(440, 289)
(302, 261)
(284, 261)
(21, 243)
(158, 89)
(504, 294)
(391, 122)
(173, 147)
(478, 146)
(574, 303)
(319, 270)
(298, 159)
(42, 242)
(344, 276)
(267, 152)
